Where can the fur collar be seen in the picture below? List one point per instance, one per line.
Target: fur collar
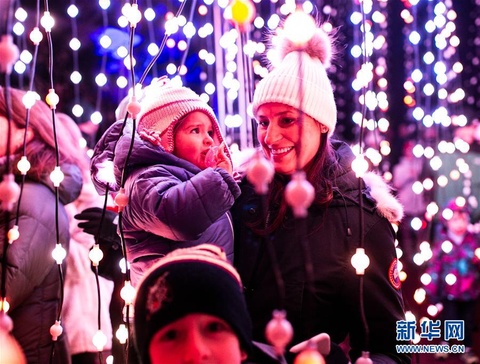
(388, 205)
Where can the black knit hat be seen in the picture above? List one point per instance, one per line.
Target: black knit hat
(191, 280)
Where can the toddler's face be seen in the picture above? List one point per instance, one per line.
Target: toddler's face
(194, 137)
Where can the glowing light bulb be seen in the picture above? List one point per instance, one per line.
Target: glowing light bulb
(122, 334)
(36, 36)
(47, 21)
(128, 293)
(23, 165)
(4, 305)
(9, 53)
(299, 28)
(52, 98)
(57, 176)
(299, 194)
(99, 340)
(360, 165)
(59, 253)
(30, 98)
(56, 330)
(9, 192)
(279, 331)
(95, 255)
(360, 261)
(364, 359)
(260, 173)
(13, 234)
(132, 14)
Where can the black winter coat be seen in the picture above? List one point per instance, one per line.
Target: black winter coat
(327, 238)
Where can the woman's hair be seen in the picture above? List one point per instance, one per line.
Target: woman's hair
(319, 172)
(40, 150)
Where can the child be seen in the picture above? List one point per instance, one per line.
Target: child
(190, 308)
(454, 256)
(175, 199)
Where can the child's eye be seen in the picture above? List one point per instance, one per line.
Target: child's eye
(217, 326)
(169, 335)
(195, 131)
(211, 133)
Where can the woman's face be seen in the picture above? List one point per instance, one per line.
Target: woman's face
(196, 339)
(287, 136)
(194, 137)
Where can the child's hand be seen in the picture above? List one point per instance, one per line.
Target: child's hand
(222, 159)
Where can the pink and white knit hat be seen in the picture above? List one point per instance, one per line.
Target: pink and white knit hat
(165, 104)
(301, 71)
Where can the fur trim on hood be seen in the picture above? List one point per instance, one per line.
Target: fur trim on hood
(388, 205)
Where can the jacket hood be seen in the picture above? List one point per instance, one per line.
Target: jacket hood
(116, 146)
(375, 188)
(71, 186)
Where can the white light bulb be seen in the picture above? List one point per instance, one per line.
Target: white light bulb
(59, 253)
(360, 261)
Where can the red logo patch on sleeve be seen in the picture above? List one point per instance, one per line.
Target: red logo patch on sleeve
(393, 275)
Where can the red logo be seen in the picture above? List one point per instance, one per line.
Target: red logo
(393, 275)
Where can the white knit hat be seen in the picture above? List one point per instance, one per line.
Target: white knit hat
(300, 80)
(165, 104)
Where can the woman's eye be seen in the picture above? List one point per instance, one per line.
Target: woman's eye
(288, 121)
(262, 123)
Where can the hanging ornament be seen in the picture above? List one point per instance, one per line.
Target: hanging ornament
(133, 107)
(260, 173)
(309, 355)
(6, 322)
(279, 331)
(9, 54)
(364, 359)
(9, 192)
(56, 330)
(299, 194)
(241, 13)
(121, 199)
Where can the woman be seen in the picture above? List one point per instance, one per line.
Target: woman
(303, 265)
(32, 279)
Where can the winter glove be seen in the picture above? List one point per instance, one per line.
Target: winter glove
(93, 217)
